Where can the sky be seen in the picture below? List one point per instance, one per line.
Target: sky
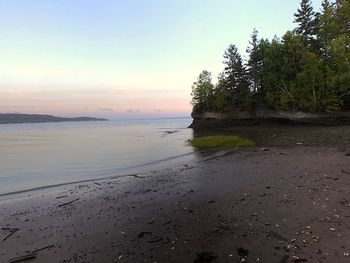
(122, 59)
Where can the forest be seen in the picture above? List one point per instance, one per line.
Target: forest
(307, 69)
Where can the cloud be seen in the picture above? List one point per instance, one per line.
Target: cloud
(106, 109)
(133, 111)
(157, 110)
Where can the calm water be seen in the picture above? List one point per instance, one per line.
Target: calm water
(38, 155)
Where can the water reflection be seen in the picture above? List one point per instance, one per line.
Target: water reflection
(34, 155)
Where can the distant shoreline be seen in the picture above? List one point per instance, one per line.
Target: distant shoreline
(16, 118)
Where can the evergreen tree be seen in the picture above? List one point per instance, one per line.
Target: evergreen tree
(343, 16)
(255, 62)
(234, 80)
(305, 17)
(234, 71)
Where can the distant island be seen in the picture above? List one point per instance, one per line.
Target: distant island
(12, 118)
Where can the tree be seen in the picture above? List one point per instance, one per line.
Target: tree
(305, 17)
(271, 75)
(343, 16)
(339, 75)
(310, 84)
(203, 92)
(255, 62)
(308, 69)
(234, 72)
(234, 80)
(328, 27)
(283, 62)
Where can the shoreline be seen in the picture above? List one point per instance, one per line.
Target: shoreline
(205, 155)
(151, 166)
(39, 190)
(248, 204)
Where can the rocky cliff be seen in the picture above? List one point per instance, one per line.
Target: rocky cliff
(266, 116)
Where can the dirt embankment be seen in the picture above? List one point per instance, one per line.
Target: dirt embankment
(210, 119)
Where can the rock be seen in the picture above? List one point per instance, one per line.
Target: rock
(284, 259)
(205, 257)
(264, 149)
(298, 259)
(142, 234)
(242, 252)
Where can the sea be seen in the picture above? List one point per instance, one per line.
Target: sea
(41, 155)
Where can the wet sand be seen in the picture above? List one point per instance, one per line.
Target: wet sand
(276, 204)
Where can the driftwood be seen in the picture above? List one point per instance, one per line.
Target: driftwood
(62, 196)
(12, 231)
(68, 203)
(39, 249)
(136, 176)
(29, 256)
(22, 258)
(155, 241)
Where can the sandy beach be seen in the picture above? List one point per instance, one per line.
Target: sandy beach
(262, 204)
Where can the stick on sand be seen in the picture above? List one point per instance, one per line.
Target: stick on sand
(12, 231)
(22, 258)
(68, 203)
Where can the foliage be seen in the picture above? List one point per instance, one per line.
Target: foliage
(234, 82)
(203, 92)
(220, 141)
(254, 63)
(307, 69)
(305, 17)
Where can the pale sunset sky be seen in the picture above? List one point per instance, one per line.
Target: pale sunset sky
(122, 58)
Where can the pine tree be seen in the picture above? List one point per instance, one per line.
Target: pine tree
(254, 42)
(343, 16)
(255, 62)
(234, 79)
(325, 4)
(305, 17)
(234, 71)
